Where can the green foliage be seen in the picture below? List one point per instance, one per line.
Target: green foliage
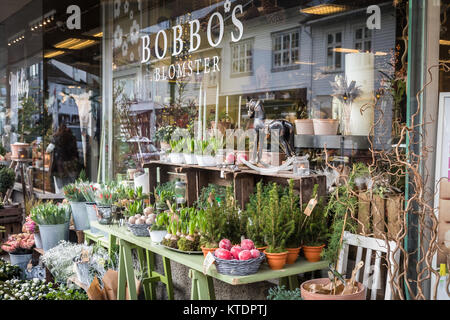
(278, 226)
(315, 231)
(164, 134)
(212, 223)
(134, 208)
(220, 194)
(164, 192)
(83, 176)
(73, 193)
(236, 222)
(66, 293)
(296, 215)
(255, 215)
(7, 179)
(2, 150)
(50, 214)
(38, 290)
(161, 223)
(8, 271)
(281, 293)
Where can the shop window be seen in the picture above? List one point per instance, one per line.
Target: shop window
(334, 54)
(363, 39)
(286, 50)
(242, 58)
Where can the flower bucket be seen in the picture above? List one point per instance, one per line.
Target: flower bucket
(38, 240)
(20, 260)
(52, 234)
(190, 158)
(157, 236)
(80, 217)
(92, 215)
(304, 126)
(176, 158)
(104, 214)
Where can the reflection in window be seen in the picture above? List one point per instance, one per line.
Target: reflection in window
(286, 48)
(242, 54)
(363, 39)
(334, 57)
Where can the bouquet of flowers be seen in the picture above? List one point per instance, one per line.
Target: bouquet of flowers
(106, 196)
(88, 191)
(19, 243)
(73, 193)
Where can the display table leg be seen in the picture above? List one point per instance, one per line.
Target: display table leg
(151, 267)
(126, 272)
(122, 280)
(202, 286)
(168, 278)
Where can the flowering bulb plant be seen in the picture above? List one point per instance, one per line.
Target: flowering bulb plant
(73, 193)
(105, 197)
(22, 243)
(50, 214)
(88, 191)
(30, 226)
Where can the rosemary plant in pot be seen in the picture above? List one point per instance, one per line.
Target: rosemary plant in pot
(278, 227)
(77, 201)
(255, 216)
(53, 221)
(294, 241)
(315, 228)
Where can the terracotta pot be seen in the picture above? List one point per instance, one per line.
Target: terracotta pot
(327, 127)
(306, 295)
(207, 250)
(292, 255)
(276, 261)
(304, 126)
(312, 254)
(262, 249)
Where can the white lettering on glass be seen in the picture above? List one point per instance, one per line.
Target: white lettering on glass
(158, 55)
(74, 21)
(146, 53)
(194, 34)
(177, 42)
(209, 31)
(374, 21)
(237, 23)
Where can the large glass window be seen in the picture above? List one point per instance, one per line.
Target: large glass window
(286, 49)
(242, 60)
(334, 54)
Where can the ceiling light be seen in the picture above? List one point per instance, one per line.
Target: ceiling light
(444, 42)
(325, 9)
(53, 54)
(381, 53)
(98, 35)
(345, 50)
(74, 44)
(83, 45)
(45, 22)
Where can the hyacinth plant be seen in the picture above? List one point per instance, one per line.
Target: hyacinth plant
(73, 193)
(30, 226)
(21, 243)
(50, 214)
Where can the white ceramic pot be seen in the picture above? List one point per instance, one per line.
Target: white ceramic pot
(157, 236)
(327, 127)
(304, 126)
(190, 158)
(207, 161)
(176, 158)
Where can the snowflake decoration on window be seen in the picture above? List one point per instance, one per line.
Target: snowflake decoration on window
(227, 6)
(134, 32)
(117, 8)
(132, 56)
(131, 14)
(125, 49)
(126, 6)
(140, 5)
(118, 34)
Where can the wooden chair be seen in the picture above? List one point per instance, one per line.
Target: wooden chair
(376, 247)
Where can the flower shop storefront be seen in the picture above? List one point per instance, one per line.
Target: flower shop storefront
(261, 149)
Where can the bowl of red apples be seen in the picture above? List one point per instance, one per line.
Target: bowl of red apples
(238, 260)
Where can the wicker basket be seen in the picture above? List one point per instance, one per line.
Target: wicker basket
(139, 230)
(239, 267)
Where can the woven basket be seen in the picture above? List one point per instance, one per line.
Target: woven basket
(139, 230)
(239, 267)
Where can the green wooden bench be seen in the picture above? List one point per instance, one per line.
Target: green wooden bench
(202, 285)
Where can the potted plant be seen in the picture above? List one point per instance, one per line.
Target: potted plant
(189, 151)
(20, 249)
(293, 243)
(53, 221)
(77, 201)
(105, 198)
(315, 229)
(255, 216)
(217, 143)
(278, 227)
(7, 179)
(159, 229)
(205, 154)
(303, 124)
(211, 223)
(176, 156)
(164, 135)
(32, 228)
(162, 194)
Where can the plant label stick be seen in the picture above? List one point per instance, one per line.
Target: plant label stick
(310, 207)
(208, 262)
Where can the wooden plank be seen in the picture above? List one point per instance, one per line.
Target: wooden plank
(378, 216)
(191, 187)
(394, 211)
(364, 214)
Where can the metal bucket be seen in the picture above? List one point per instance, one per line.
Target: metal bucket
(80, 217)
(20, 260)
(92, 215)
(38, 240)
(52, 234)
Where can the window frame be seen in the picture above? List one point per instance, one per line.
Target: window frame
(363, 40)
(333, 69)
(233, 46)
(292, 65)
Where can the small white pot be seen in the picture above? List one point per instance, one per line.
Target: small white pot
(157, 236)
(206, 161)
(190, 158)
(176, 158)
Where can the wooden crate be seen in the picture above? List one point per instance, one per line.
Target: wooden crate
(11, 217)
(379, 215)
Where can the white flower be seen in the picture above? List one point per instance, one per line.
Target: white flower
(116, 8)
(118, 35)
(134, 32)
(126, 6)
(125, 49)
(227, 6)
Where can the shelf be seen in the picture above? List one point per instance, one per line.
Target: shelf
(332, 142)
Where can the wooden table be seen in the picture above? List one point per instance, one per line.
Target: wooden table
(202, 285)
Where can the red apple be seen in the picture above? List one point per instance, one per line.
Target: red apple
(231, 158)
(235, 252)
(225, 244)
(255, 253)
(223, 254)
(245, 255)
(247, 244)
